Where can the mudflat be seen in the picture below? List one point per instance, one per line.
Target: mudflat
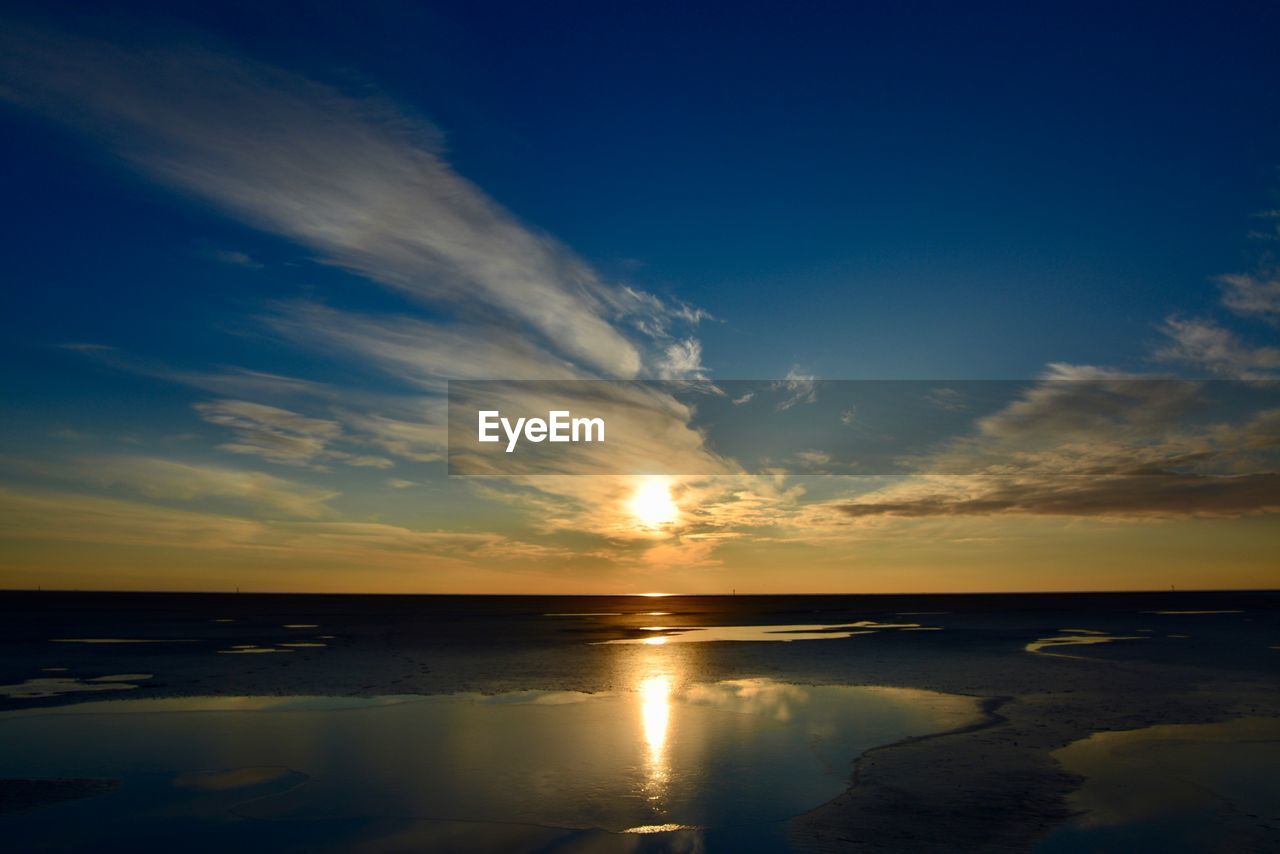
(1039, 673)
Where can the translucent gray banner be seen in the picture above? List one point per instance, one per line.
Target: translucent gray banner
(1107, 426)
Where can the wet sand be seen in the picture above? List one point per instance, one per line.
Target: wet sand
(17, 796)
(993, 786)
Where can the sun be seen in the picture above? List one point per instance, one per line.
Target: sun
(652, 505)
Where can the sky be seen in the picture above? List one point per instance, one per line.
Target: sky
(247, 248)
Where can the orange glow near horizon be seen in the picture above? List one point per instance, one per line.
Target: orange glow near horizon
(101, 544)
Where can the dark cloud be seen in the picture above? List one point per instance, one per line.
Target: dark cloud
(1128, 496)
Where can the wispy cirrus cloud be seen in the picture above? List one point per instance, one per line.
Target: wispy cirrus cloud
(1205, 345)
(1090, 441)
(224, 380)
(422, 353)
(798, 387)
(68, 517)
(1120, 497)
(1089, 402)
(270, 432)
(420, 436)
(1253, 295)
(187, 482)
(681, 360)
(1093, 442)
(354, 178)
(1211, 347)
(283, 436)
(363, 185)
(236, 258)
(947, 399)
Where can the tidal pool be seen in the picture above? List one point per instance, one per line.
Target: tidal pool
(774, 633)
(662, 764)
(1075, 637)
(53, 686)
(1173, 788)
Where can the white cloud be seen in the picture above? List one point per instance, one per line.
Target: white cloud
(654, 317)
(1252, 296)
(798, 387)
(1205, 345)
(681, 360)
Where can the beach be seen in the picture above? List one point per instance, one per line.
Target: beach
(1036, 673)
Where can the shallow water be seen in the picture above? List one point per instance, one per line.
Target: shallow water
(777, 633)
(661, 760)
(1075, 637)
(122, 640)
(53, 686)
(1201, 787)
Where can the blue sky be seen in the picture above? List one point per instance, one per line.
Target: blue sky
(844, 191)
(920, 193)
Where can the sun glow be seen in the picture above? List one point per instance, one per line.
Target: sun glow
(652, 504)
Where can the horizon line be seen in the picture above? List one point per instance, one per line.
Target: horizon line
(237, 592)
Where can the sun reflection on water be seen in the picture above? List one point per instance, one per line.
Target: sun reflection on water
(655, 721)
(655, 711)
(656, 677)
